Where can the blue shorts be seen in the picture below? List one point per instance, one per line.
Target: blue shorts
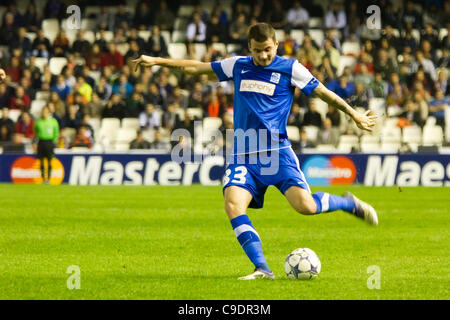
(255, 172)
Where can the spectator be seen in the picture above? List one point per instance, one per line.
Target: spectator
(115, 107)
(4, 95)
(309, 51)
(84, 89)
(22, 42)
(379, 86)
(8, 28)
(312, 117)
(95, 106)
(305, 143)
(59, 105)
(154, 96)
(20, 100)
(105, 20)
(427, 65)
(329, 134)
(215, 31)
(61, 44)
(6, 122)
(112, 58)
(135, 105)
(397, 97)
(94, 57)
(14, 70)
(164, 17)
(41, 46)
(134, 36)
(61, 88)
(143, 17)
(122, 18)
(288, 47)
(411, 18)
(411, 115)
(150, 118)
(89, 130)
(384, 64)
(438, 108)
(361, 97)
(334, 115)
(277, 15)
(81, 139)
(342, 87)
(123, 87)
(336, 17)
(295, 116)
(196, 97)
(157, 46)
(72, 119)
(159, 143)
(139, 142)
(422, 105)
(331, 52)
(25, 125)
(196, 30)
(81, 47)
(32, 20)
(297, 16)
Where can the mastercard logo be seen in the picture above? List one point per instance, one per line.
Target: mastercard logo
(27, 170)
(323, 171)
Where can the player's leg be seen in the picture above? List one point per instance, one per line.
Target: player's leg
(306, 203)
(237, 200)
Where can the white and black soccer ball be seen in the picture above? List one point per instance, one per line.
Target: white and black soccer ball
(303, 264)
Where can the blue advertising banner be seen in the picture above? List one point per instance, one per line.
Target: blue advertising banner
(151, 169)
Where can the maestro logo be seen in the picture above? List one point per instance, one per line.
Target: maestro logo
(323, 171)
(27, 170)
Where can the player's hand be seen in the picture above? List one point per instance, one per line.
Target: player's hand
(366, 121)
(145, 61)
(2, 75)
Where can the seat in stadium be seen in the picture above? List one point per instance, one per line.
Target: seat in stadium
(40, 62)
(31, 36)
(130, 123)
(326, 148)
(125, 135)
(109, 36)
(315, 22)
(71, 35)
(110, 125)
(298, 36)
(431, 121)
(211, 123)
(149, 135)
(177, 50)
(195, 112)
(377, 105)
(317, 36)
(321, 107)
(351, 48)
(311, 132)
(369, 139)
(391, 122)
(370, 147)
(347, 143)
(293, 133)
(56, 64)
(36, 108)
(391, 134)
(50, 28)
(279, 34)
(233, 47)
(92, 11)
(69, 134)
(88, 24)
(185, 11)
(95, 123)
(390, 146)
(123, 48)
(181, 24)
(432, 135)
(89, 36)
(122, 146)
(345, 61)
(221, 47)
(412, 135)
(199, 51)
(144, 34)
(14, 114)
(178, 36)
(42, 95)
(166, 35)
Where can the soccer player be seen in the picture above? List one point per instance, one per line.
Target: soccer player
(264, 86)
(47, 132)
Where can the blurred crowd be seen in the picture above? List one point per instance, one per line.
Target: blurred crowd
(405, 62)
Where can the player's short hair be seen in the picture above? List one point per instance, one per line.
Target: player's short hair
(261, 32)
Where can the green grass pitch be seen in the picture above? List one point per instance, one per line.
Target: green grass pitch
(154, 242)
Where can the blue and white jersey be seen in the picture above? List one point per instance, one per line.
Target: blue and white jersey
(263, 99)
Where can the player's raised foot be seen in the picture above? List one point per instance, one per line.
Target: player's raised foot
(259, 274)
(363, 210)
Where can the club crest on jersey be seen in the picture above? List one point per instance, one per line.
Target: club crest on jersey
(275, 77)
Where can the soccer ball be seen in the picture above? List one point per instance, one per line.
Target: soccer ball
(302, 263)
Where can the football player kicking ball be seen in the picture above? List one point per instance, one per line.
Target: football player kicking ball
(264, 86)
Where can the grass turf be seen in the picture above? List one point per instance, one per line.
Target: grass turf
(176, 243)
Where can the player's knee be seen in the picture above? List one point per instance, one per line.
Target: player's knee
(306, 208)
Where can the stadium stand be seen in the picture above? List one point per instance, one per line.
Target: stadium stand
(108, 75)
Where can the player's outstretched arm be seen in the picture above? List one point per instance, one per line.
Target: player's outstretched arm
(2, 75)
(186, 66)
(364, 121)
